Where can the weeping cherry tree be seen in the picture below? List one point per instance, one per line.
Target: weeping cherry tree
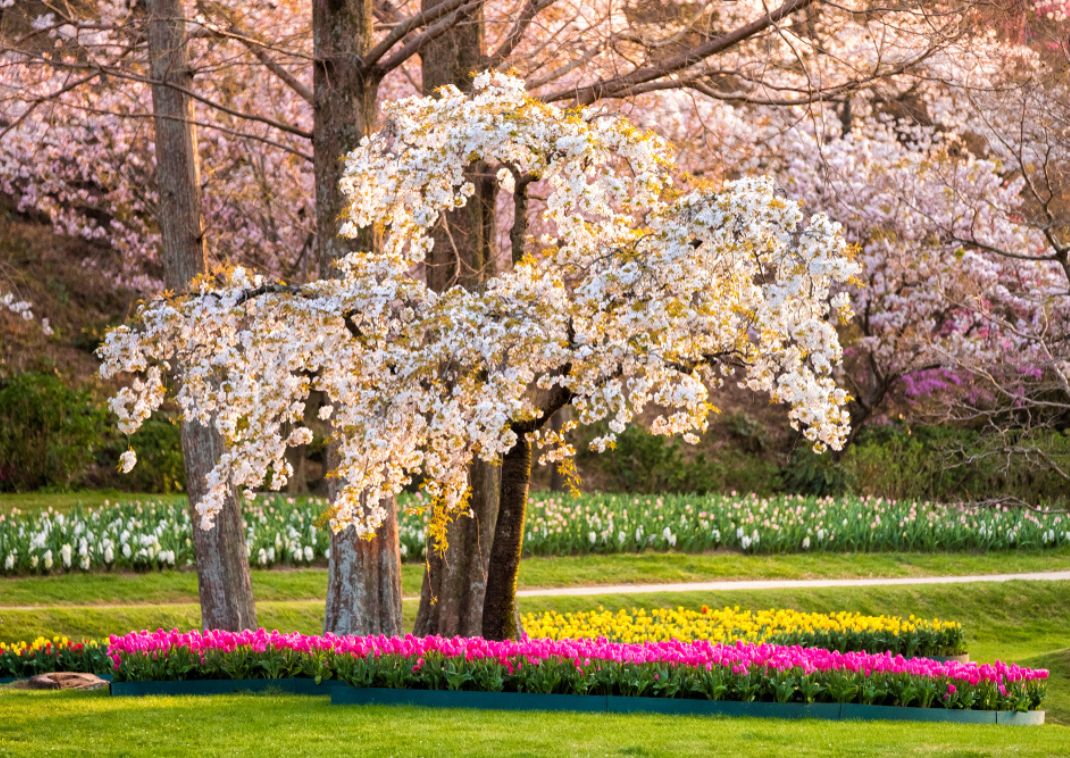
(632, 295)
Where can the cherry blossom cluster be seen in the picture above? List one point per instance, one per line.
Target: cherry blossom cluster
(634, 300)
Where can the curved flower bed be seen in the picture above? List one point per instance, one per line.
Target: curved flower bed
(844, 631)
(744, 672)
(24, 659)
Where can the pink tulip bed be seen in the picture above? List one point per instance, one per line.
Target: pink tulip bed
(692, 670)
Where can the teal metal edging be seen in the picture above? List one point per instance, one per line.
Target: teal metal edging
(342, 694)
(291, 686)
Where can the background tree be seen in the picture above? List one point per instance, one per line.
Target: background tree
(223, 581)
(455, 582)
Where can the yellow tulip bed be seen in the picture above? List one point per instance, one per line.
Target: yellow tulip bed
(843, 631)
(19, 659)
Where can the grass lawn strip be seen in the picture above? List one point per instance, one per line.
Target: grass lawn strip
(38, 723)
(306, 584)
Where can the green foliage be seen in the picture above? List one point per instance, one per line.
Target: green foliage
(947, 464)
(53, 436)
(938, 463)
(810, 473)
(48, 432)
(645, 463)
(158, 445)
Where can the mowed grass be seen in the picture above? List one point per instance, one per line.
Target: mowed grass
(63, 501)
(96, 724)
(308, 584)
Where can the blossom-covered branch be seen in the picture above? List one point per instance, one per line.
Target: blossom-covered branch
(628, 279)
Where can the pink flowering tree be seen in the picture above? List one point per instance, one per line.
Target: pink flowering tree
(641, 294)
(945, 174)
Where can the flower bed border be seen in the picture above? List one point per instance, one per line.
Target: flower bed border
(290, 686)
(343, 694)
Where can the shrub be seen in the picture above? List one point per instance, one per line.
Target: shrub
(48, 432)
(158, 444)
(729, 458)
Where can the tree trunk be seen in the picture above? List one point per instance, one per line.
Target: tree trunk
(464, 240)
(500, 613)
(364, 577)
(364, 587)
(223, 581)
(454, 584)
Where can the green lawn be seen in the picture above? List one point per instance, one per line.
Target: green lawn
(64, 501)
(307, 584)
(36, 723)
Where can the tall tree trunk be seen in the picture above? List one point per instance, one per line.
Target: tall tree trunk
(454, 584)
(226, 591)
(500, 613)
(364, 577)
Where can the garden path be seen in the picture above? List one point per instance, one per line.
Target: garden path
(729, 585)
(725, 585)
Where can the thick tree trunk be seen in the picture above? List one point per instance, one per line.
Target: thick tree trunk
(454, 584)
(223, 581)
(226, 592)
(500, 613)
(364, 587)
(364, 577)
